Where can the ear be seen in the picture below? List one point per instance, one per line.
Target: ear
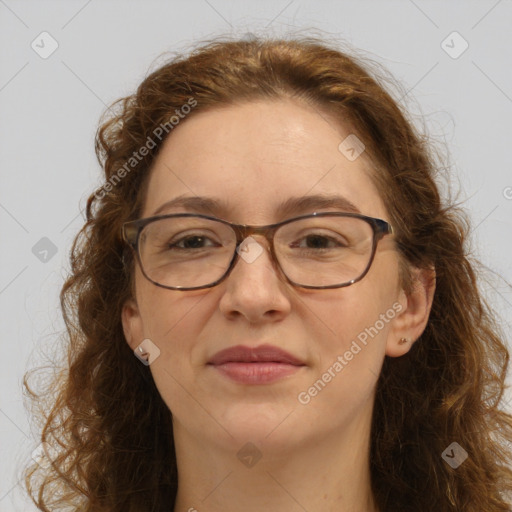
(132, 323)
(413, 317)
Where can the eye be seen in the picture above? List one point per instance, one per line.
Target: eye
(317, 241)
(192, 242)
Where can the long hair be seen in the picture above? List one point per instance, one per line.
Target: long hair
(105, 424)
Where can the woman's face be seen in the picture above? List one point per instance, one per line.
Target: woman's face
(254, 157)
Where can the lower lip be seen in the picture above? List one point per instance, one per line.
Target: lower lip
(257, 373)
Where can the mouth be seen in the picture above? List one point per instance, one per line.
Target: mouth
(258, 365)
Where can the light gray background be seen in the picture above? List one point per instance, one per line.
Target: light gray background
(50, 109)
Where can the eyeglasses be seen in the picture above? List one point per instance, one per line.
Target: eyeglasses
(187, 251)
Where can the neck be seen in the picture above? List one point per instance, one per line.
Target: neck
(329, 473)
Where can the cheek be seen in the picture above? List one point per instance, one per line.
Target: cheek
(355, 326)
(342, 384)
(173, 325)
(168, 314)
(357, 340)
(359, 314)
(173, 321)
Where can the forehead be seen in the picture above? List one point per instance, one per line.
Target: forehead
(255, 156)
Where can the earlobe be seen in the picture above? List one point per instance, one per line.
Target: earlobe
(410, 323)
(132, 323)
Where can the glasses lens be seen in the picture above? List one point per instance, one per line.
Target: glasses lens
(185, 252)
(189, 252)
(324, 251)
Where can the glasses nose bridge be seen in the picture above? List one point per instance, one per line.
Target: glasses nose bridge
(245, 231)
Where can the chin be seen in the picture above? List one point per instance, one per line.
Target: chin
(265, 424)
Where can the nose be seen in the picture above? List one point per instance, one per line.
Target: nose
(256, 288)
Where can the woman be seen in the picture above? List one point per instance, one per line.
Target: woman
(338, 358)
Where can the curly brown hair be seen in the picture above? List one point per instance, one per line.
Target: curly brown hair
(108, 427)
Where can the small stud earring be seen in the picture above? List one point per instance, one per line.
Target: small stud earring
(401, 341)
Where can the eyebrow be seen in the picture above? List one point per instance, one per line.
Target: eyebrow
(292, 206)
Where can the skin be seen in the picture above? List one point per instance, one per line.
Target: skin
(314, 456)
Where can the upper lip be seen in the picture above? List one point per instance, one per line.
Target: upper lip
(262, 353)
